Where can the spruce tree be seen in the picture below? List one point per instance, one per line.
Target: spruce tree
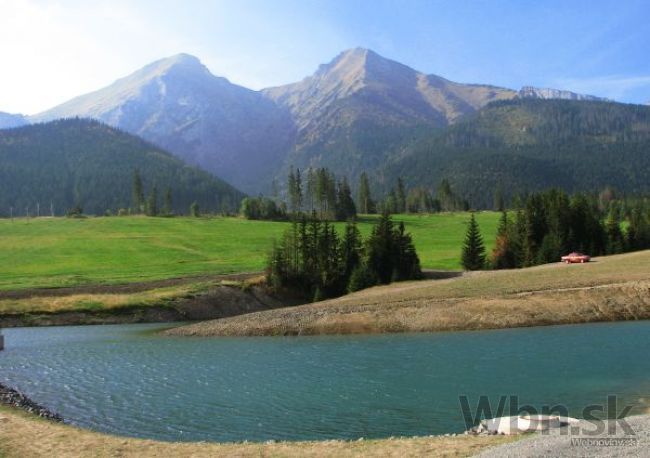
(194, 210)
(473, 257)
(137, 193)
(152, 202)
(167, 209)
(400, 196)
(364, 199)
(345, 208)
(615, 240)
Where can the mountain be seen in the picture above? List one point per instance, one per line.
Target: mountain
(547, 93)
(229, 130)
(358, 110)
(8, 120)
(85, 162)
(531, 144)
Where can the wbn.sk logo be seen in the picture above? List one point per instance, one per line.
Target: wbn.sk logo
(593, 414)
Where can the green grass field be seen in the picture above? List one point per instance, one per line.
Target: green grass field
(46, 252)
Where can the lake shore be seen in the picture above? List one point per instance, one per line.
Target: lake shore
(173, 300)
(612, 288)
(23, 434)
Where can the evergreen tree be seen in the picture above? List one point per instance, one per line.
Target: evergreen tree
(345, 208)
(310, 192)
(351, 249)
(137, 193)
(504, 253)
(638, 232)
(380, 249)
(615, 239)
(152, 202)
(167, 208)
(400, 196)
(294, 189)
(364, 199)
(473, 257)
(194, 210)
(499, 204)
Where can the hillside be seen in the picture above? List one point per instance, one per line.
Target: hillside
(358, 110)
(8, 120)
(610, 289)
(205, 120)
(530, 144)
(364, 112)
(82, 162)
(351, 115)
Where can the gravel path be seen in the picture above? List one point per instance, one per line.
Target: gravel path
(562, 443)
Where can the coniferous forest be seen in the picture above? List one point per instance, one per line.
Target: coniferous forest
(314, 259)
(82, 165)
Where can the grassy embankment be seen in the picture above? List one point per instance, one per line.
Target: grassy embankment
(84, 254)
(24, 435)
(609, 289)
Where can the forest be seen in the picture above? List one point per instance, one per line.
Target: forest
(70, 165)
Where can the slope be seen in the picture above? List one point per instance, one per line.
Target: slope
(82, 162)
(178, 104)
(529, 144)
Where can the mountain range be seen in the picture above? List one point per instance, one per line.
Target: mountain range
(359, 112)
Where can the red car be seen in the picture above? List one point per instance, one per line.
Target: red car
(576, 257)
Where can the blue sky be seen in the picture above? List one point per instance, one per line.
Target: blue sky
(54, 50)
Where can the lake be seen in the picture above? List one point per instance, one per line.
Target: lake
(126, 380)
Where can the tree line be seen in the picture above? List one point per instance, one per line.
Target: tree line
(313, 259)
(550, 224)
(322, 194)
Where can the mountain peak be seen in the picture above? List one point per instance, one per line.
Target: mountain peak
(183, 62)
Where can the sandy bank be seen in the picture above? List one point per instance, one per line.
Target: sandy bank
(25, 435)
(153, 302)
(610, 289)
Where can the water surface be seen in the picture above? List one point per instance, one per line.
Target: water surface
(126, 380)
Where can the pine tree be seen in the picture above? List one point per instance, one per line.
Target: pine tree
(310, 191)
(345, 208)
(473, 257)
(364, 199)
(194, 210)
(351, 249)
(152, 202)
(167, 209)
(400, 196)
(615, 240)
(137, 193)
(499, 204)
(380, 249)
(503, 255)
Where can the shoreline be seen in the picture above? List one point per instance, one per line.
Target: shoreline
(24, 434)
(177, 300)
(14, 398)
(613, 288)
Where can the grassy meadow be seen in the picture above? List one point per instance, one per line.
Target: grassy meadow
(55, 252)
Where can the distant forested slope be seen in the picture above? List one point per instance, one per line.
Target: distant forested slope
(82, 162)
(525, 145)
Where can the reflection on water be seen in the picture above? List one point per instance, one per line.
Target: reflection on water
(123, 380)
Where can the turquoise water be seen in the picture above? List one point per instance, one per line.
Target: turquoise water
(126, 380)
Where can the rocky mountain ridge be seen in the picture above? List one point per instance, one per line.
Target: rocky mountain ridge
(353, 114)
